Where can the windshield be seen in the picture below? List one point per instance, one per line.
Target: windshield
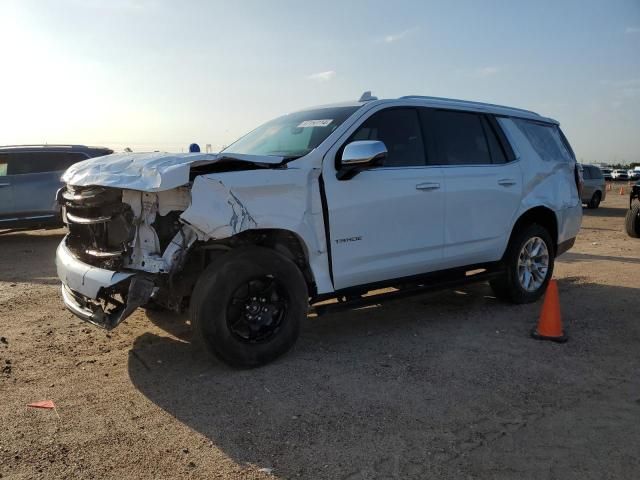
(292, 135)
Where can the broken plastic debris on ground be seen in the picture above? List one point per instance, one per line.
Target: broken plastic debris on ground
(42, 404)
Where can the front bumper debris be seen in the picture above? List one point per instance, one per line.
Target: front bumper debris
(99, 296)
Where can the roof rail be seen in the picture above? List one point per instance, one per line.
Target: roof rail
(49, 145)
(480, 104)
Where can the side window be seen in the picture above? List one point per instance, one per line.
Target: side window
(459, 137)
(4, 162)
(596, 173)
(21, 163)
(495, 149)
(40, 162)
(586, 173)
(546, 140)
(64, 162)
(399, 129)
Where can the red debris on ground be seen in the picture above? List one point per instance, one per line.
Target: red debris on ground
(42, 404)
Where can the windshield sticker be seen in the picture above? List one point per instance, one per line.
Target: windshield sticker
(315, 123)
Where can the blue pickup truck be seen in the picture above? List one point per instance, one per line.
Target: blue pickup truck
(30, 178)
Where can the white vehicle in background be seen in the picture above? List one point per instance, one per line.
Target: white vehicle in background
(619, 174)
(594, 188)
(326, 203)
(633, 174)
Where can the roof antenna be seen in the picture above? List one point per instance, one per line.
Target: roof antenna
(367, 97)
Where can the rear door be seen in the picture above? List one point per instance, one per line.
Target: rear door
(385, 222)
(483, 184)
(588, 185)
(35, 178)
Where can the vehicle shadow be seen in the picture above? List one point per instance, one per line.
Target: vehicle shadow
(29, 256)
(605, 212)
(403, 390)
(176, 324)
(570, 257)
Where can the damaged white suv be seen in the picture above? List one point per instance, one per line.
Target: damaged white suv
(331, 202)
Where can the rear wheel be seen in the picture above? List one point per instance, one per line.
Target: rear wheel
(632, 220)
(247, 306)
(595, 200)
(528, 262)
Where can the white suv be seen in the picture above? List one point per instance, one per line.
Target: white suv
(330, 202)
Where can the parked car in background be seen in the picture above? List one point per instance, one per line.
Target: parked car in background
(29, 179)
(633, 174)
(632, 219)
(620, 174)
(593, 190)
(325, 203)
(606, 173)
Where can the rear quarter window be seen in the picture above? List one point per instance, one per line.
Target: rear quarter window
(545, 139)
(596, 173)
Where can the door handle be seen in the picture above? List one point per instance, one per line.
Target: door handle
(428, 186)
(506, 182)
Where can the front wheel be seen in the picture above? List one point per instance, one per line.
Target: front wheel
(247, 306)
(528, 263)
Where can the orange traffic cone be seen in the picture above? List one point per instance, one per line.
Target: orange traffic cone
(621, 190)
(550, 323)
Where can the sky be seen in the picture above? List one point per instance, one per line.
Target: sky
(159, 75)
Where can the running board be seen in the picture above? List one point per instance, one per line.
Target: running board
(350, 301)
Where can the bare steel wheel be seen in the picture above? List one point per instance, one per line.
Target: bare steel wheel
(533, 264)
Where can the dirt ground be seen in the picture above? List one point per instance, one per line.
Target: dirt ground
(445, 385)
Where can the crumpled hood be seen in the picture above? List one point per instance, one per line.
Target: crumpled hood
(149, 172)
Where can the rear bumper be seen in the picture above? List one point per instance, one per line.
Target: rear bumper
(99, 296)
(569, 222)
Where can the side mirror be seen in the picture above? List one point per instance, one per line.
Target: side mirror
(360, 155)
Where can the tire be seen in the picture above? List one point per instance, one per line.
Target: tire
(229, 301)
(632, 220)
(508, 287)
(595, 200)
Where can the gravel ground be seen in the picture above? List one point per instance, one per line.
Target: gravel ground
(445, 385)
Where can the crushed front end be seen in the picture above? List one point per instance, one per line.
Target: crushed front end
(123, 246)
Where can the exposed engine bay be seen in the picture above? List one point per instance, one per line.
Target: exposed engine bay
(114, 229)
(123, 230)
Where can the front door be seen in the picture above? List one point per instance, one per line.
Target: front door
(36, 179)
(386, 222)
